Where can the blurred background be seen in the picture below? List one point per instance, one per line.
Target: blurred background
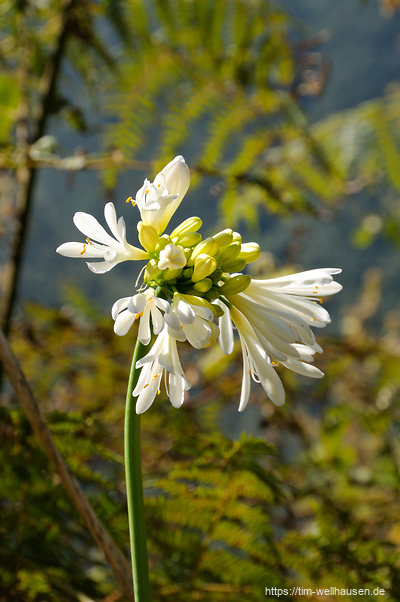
(288, 115)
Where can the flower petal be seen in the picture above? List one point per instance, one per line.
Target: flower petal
(89, 226)
(123, 322)
(119, 306)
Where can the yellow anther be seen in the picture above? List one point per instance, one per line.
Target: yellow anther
(146, 385)
(130, 200)
(159, 391)
(155, 376)
(313, 319)
(147, 191)
(321, 301)
(275, 363)
(84, 249)
(89, 242)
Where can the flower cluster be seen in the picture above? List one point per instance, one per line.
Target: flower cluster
(193, 290)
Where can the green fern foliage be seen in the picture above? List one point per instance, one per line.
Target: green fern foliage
(213, 81)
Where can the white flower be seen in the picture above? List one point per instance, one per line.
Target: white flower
(111, 250)
(163, 356)
(142, 306)
(256, 364)
(172, 257)
(273, 318)
(159, 200)
(194, 323)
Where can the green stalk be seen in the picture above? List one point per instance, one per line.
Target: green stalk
(134, 487)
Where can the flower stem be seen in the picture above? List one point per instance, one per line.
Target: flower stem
(134, 487)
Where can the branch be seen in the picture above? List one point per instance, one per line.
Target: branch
(26, 175)
(117, 561)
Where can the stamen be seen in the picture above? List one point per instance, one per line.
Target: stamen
(89, 242)
(155, 376)
(321, 301)
(275, 363)
(146, 385)
(159, 391)
(84, 249)
(130, 200)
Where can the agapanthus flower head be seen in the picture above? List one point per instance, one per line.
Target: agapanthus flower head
(193, 290)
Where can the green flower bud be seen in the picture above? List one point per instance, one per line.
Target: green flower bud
(217, 310)
(208, 246)
(192, 224)
(236, 237)
(203, 285)
(148, 236)
(236, 265)
(229, 253)
(169, 274)
(187, 273)
(187, 239)
(212, 294)
(195, 300)
(216, 276)
(250, 251)
(204, 266)
(224, 237)
(163, 241)
(235, 285)
(152, 271)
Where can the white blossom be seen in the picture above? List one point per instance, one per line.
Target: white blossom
(274, 319)
(99, 244)
(157, 201)
(189, 322)
(142, 306)
(172, 257)
(161, 360)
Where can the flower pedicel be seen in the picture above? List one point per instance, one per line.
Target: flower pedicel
(193, 290)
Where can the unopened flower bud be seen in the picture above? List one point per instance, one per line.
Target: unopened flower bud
(212, 294)
(250, 251)
(196, 300)
(203, 285)
(235, 284)
(217, 310)
(236, 265)
(208, 246)
(187, 273)
(176, 177)
(204, 266)
(148, 236)
(171, 274)
(229, 253)
(192, 224)
(224, 237)
(163, 241)
(152, 270)
(188, 239)
(236, 237)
